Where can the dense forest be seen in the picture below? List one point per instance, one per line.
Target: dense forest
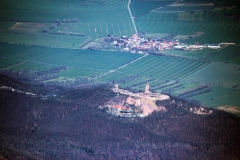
(65, 123)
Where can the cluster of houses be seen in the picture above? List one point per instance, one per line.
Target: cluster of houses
(140, 44)
(197, 46)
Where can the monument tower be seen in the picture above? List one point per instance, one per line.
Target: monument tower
(147, 89)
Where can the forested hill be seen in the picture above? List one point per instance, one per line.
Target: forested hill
(69, 125)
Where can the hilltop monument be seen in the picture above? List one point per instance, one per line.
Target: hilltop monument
(147, 89)
(116, 86)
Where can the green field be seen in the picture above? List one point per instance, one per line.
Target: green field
(4, 25)
(224, 54)
(70, 24)
(216, 73)
(143, 7)
(78, 72)
(27, 66)
(80, 59)
(235, 59)
(62, 4)
(163, 67)
(195, 54)
(4, 62)
(220, 97)
(218, 24)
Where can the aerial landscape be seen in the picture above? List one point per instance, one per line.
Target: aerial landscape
(120, 79)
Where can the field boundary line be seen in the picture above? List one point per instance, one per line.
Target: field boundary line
(9, 26)
(238, 28)
(113, 30)
(125, 29)
(107, 29)
(202, 27)
(226, 27)
(232, 27)
(155, 27)
(119, 29)
(160, 17)
(213, 27)
(219, 28)
(161, 7)
(188, 29)
(101, 27)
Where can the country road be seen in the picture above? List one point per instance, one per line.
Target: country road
(130, 12)
(125, 65)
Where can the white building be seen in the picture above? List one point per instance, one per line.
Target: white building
(214, 46)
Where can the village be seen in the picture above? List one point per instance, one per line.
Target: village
(138, 43)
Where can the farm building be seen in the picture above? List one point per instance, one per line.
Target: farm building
(214, 46)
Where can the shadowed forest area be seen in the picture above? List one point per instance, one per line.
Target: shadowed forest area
(60, 123)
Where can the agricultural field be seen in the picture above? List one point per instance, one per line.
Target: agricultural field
(79, 72)
(184, 70)
(62, 4)
(140, 8)
(185, 18)
(216, 73)
(4, 25)
(213, 32)
(54, 41)
(221, 97)
(76, 61)
(163, 67)
(96, 29)
(193, 54)
(30, 33)
(25, 66)
(49, 43)
(225, 54)
(4, 62)
(63, 24)
(235, 59)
